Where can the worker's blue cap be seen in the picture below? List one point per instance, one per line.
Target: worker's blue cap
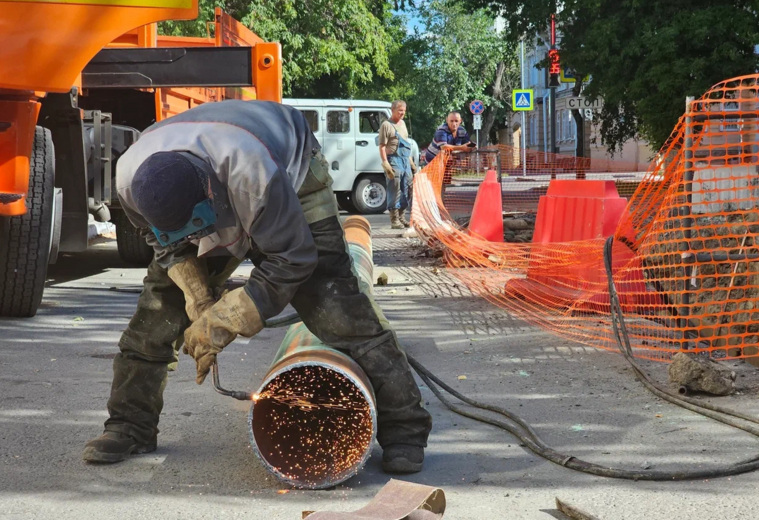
(166, 188)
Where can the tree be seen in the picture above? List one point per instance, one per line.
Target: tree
(329, 47)
(459, 57)
(361, 48)
(643, 56)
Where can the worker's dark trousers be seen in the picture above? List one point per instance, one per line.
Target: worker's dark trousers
(331, 306)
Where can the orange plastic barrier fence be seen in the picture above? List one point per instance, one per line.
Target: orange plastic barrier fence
(685, 259)
(522, 185)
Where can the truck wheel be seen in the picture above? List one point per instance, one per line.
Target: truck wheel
(132, 246)
(369, 196)
(25, 240)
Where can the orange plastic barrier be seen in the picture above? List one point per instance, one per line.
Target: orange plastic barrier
(578, 210)
(685, 259)
(486, 220)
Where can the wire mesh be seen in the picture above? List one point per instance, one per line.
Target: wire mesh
(686, 264)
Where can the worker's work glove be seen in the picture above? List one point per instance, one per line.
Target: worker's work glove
(191, 276)
(389, 172)
(235, 313)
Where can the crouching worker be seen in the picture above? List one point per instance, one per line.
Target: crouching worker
(217, 184)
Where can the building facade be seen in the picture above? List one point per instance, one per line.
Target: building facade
(537, 122)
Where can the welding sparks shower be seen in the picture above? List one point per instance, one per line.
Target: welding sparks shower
(313, 420)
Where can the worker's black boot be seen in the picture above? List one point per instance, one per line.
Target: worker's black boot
(402, 458)
(114, 447)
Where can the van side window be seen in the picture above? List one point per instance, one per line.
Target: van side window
(338, 122)
(369, 122)
(312, 116)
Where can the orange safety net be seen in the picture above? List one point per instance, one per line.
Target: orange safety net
(685, 262)
(522, 186)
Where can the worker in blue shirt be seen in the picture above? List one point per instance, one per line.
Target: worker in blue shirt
(449, 136)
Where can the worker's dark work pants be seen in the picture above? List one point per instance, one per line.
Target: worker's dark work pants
(331, 306)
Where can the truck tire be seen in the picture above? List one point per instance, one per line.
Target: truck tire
(344, 201)
(132, 246)
(25, 240)
(370, 196)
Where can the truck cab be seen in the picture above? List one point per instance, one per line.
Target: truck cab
(348, 131)
(79, 81)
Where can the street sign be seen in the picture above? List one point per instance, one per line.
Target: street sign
(568, 76)
(522, 99)
(477, 121)
(582, 103)
(476, 107)
(588, 114)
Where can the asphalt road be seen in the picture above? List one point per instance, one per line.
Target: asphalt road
(55, 373)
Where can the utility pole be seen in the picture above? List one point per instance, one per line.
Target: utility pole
(524, 127)
(553, 82)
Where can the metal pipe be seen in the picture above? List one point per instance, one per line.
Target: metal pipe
(524, 129)
(687, 223)
(313, 420)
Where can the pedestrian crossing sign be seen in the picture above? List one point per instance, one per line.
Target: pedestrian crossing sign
(521, 99)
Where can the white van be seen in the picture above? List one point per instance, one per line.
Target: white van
(348, 133)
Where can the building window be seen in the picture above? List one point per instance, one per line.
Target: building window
(730, 123)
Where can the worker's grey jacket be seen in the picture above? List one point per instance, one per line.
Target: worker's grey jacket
(261, 153)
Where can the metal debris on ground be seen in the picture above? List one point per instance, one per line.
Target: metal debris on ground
(397, 500)
(573, 512)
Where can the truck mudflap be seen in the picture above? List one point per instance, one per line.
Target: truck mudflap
(25, 239)
(17, 122)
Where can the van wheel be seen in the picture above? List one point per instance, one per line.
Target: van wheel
(131, 245)
(25, 240)
(370, 196)
(344, 201)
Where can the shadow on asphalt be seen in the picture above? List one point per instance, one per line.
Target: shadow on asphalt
(99, 258)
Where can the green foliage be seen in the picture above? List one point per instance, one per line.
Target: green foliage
(197, 27)
(330, 46)
(361, 49)
(449, 62)
(644, 56)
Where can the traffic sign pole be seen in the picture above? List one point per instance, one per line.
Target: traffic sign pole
(477, 123)
(477, 107)
(524, 127)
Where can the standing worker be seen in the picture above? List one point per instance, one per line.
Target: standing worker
(214, 185)
(399, 166)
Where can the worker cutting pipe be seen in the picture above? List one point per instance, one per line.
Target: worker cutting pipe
(210, 187)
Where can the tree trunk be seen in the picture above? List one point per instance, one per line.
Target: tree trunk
(489, 117)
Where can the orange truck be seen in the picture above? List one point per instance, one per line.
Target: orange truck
(79, 81)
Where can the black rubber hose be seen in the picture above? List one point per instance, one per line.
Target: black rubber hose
(530, 439)
(623, 341)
